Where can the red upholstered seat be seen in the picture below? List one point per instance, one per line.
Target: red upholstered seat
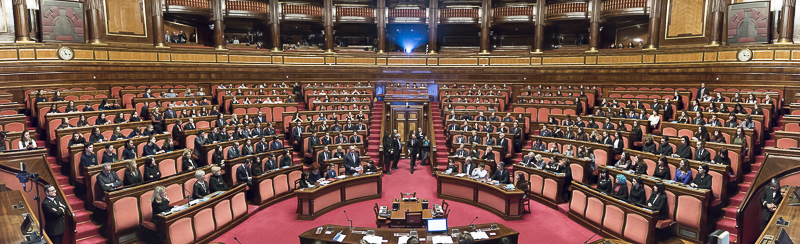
(550, 189)
(636, 228)
(167, 167)
(594, 210)
(577, 172)
(222, 213)
(664, 223)
(537, 184)
(294, 175)
(614, 219)
(238, 205)
(95, 192)
(265, 190)
(126, 214)
(577, 203)
(181, 231)
(281, 185)
(203, 223)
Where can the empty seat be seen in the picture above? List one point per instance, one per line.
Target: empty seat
(636, 228)
(181, 231)
(238, 205)
(126, 214)
(594, 210)
(577, 203)
(614, 219)
(203, 223)
(222, 213)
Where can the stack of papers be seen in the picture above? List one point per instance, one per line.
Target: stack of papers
(479, 235)
(441, 239)
(374, 239)
(461, 175)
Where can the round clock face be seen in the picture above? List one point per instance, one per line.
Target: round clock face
(744, 55)
(65, 53)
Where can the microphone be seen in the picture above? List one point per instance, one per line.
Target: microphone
(348, 219)
(237, 240)
(590, 238)
(473, 221)
(23, 175)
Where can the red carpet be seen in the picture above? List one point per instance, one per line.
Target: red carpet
(279, 224)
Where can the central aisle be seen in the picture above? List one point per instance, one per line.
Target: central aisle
(278, 223)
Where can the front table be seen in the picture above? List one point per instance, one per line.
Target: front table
(504, 203)
(313, 202)
(311, 235)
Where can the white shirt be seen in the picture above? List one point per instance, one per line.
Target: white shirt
(20, 145)
(481, 173)
(654, 120)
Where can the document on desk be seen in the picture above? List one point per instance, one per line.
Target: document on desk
(441, 239)
(403, 239)
(479, 235)
(339, 237)
(374, 239)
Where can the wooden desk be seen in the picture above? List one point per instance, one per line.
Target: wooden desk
(504, 203)
(624, 212)
(273, 186)
(350, 105)
(11, 219)
(398, 218)
(313, 202)
(789, 213)
(541, 181)
(175, 228)
(310, 236)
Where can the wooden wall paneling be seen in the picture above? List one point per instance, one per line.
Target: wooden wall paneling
(127, 21)
(685, 22)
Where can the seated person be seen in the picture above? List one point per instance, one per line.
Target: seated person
(107, 180)
(703, 179)
(620, 189)
(201, 187)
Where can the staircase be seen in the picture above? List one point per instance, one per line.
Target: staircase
(375, 131)
(438, 131)
(86, 232)
(728, 221)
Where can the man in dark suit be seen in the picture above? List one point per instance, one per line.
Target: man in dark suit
(361, 125)
(460, 139)
(701, 154)
(474, 138)
(488, 128)
(235, 152)
(324, 155)
(544, 132)
(468, 167)
(243, 174)
(466, 116)
(297, 132)
(488, 155)
(527, 160)
(276, 143)
(461, 152)
(702, 91)
(501, 174)
(340, 139)
(503, 142)
(453, 127)
(170, 113)
(260, 118)
(53, 210)
(769, 200)
(714, 121)
(608, 125)
(107, 180)
(388, 153)
(349, 125)
(312, 141)
(398, 147)
(257, 131)
(354, 139)
(201, 139)
(413, 150)
(351, 161)
(326, 140)
(190, 125)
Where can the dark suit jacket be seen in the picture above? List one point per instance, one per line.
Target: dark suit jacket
(702, 182)
(200, 190)
(702, 155)
(242, 173)
(111, 178)
(351, 160)
(322, 156)
(501, 176)
(53, 211)
(659, 203)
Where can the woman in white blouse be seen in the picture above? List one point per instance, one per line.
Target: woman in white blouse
(480, 172)
(26, 142)
(654, 119)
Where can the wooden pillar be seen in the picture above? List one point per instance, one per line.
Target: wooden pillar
(328, 23)
(95, 26)
(486, 25)
(159, 40)
(787, 22)
(654, 25)
(539, 22)
(717, 17)
(380, 17)
(594, 25)
(433, 24)
(275, 27)
(21, 23)
(217, 12)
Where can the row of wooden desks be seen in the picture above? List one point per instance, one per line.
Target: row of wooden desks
(393, 236)
(315, 201)
(493, 198)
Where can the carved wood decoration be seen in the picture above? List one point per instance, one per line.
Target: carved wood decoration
(6, 21)
(62, 21)
(126, 18)
(748, 23)
(686, 18)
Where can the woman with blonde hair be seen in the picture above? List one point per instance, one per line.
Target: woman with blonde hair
(132, 175)
(159, 202)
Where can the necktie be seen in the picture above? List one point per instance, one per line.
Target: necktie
(203, 186)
